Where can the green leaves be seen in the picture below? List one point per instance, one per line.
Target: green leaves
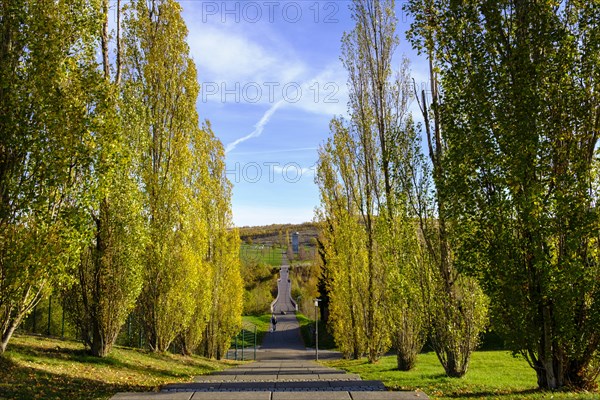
(521, 122)
(109, 190)
(47, 67)
(186, 195)
(369, 238)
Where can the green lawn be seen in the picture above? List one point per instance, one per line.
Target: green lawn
(262, 323)
(492, 375)
(42, 368)
(261, 253)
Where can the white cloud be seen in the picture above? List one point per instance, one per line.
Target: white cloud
(326, 92)
(232, 66)
(323, 94)
(228, 56)
(224, 54)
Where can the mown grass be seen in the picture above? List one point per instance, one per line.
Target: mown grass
(41, 368)
(261, 253)
(491, 375)
(262, 323)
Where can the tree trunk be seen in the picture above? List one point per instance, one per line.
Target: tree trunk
(453, 368)
(405, 360)
(549, 371)
(11, 323)
(355, 339)
(186, 348)
(7, 335)
(104, 41)
(408, 342)
(99, 346)
(576, 375)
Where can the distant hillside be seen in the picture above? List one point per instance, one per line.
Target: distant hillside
(261, 255)
(276, 234)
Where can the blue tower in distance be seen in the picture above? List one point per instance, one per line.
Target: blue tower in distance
(295, 242)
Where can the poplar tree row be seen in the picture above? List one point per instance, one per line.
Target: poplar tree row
(112, 194)
(497, 212)
(391, 276)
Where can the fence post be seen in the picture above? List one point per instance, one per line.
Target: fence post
(62, 323)
(243, 343)
(49, 314)
(236, 346)
(254, 342)
(129, 331)
(34, 318)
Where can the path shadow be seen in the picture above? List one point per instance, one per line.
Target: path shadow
(286, 336)
(83, 356)
(20, 382)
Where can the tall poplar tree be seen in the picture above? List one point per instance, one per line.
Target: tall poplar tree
(343, 253)
(159, 70)
(108, 279)
(521, 114)
(48, 86)
(226, 299)
(456, 303)
(200, 182)
(225, 315)
(192, 286)
(102, 165)
(361, 194)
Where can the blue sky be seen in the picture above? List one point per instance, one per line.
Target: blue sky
(271, 81)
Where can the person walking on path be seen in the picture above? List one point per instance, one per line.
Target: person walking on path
(274, 322)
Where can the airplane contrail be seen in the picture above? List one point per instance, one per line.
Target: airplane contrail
(258, 128)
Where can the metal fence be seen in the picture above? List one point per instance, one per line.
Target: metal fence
(244, 344)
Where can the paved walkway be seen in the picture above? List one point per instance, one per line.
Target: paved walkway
(284, 302)
(286, 342)
(276, 380)
(284, 370)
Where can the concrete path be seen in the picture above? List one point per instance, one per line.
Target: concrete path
(276, 380)
(286, 342)
(284, 302)
(284, 370)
